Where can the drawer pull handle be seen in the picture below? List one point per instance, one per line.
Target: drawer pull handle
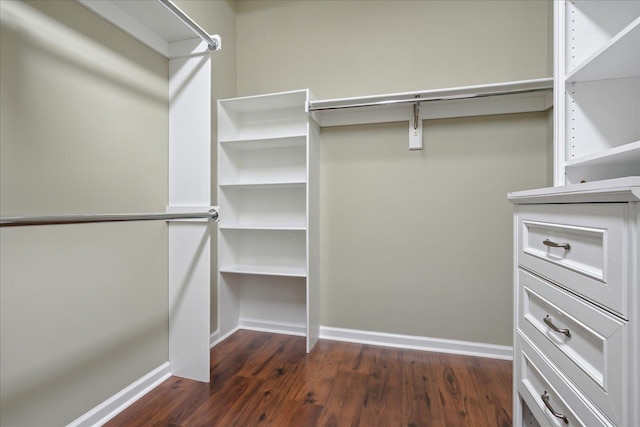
(553, 244)
(545, 400)
(550, 324)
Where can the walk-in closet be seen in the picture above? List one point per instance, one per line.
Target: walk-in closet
(306, 212)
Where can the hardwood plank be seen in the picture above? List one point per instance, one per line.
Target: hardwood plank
(421, 403)
(261, 379)
(346, 400)
(383, 403)
(321, 368)
(279, 373)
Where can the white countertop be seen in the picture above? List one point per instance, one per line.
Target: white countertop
(625, 189)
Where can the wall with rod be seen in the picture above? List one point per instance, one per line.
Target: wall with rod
(84, 129)
(418, 242)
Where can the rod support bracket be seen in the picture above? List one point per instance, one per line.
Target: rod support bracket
(415, 127)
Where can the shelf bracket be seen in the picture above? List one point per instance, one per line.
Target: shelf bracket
(415, 128)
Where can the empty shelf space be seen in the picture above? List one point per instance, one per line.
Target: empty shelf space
(263, 300)
(271, 208)
(265, 270)
(601, 115)
(268, 251)
(613, 60)
(592, 25)
(284, 161)
(263, 117)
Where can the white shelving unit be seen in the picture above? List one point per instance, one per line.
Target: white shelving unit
(268, 234)
(576, 293)
(597, 90)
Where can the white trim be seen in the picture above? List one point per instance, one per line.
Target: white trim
(297, 329)
(411, 342)
(117, 403)
(215, 338)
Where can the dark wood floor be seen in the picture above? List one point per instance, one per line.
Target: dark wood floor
(267, 379)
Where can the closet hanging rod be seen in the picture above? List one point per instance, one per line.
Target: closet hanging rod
(80, 219)
(416, 99)
(178, 13)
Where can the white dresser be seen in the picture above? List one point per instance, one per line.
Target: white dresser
(577, 305)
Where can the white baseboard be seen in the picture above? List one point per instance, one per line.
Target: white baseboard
(215, 338)
(124, 398)
(411, 342)
(273, 327)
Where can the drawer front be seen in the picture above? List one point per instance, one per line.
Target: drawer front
(583, 341)
(579, 246)
(536, 378)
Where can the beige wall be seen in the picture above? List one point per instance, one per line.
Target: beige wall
(84, 129)
(342, 48)
(412, 242)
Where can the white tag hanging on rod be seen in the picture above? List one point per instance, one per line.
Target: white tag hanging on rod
(415, 128)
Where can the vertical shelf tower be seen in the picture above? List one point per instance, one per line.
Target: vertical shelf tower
(268, 192)
(597, 98)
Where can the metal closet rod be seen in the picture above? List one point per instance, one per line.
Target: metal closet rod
(213, 44)
(80, 219)
(417, 99)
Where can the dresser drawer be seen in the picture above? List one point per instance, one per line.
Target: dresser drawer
(539, 381)
(583, 341)
(582, 247)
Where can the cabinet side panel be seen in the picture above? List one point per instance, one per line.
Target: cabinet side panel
(558, 93)
(313, 236)
(518, 410)
(189, 299)
(190, 131)
(634, 324)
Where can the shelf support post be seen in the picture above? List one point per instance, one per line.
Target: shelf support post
(415, 128)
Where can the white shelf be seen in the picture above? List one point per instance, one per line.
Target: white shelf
(628, 154)
(149, 22)
(625, 189)
(262, 227)
(618, 58)
(258, 104)
(265, 270)
(265, 185)
(592, 24)
(265, 143)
